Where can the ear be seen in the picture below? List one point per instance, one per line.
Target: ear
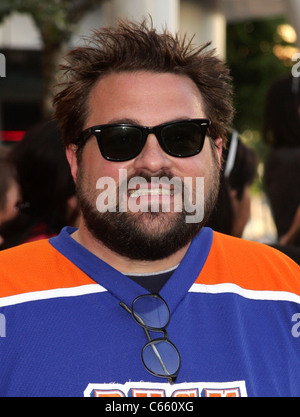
(72, 159)
(233, 194)
(219, 147)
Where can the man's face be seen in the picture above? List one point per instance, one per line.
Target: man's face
(147, 99)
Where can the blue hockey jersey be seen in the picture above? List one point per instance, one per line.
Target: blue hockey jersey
(235, 319)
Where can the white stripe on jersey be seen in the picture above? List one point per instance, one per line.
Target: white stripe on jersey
(53, 293)
(251, 294)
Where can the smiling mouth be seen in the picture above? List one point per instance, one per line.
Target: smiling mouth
(150, 192)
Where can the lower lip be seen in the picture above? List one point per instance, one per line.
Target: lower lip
(152, 198)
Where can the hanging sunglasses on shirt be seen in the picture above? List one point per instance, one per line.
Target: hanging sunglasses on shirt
(159, 356)
(122, 142)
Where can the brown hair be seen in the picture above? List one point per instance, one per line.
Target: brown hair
(140, 47)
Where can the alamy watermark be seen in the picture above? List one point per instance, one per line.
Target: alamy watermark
(2, 325)
(2, 65)
(296, 327)
(296, 67)
(162, 194)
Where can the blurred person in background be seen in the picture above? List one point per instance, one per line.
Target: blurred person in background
(47, 187)
(282, 169)
(233, 207)
(9, 189)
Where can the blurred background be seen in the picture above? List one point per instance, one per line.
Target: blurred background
(257, 38)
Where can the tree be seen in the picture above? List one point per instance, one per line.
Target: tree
(55, 20)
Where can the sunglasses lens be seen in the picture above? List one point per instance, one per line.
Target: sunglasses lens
(151, 311)
(161, 357)
(120, 143)
(183, 139)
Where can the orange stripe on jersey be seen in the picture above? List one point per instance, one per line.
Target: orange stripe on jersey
(249, 265)
(37, 266)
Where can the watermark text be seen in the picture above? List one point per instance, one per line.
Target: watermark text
(296, 67)
(161, 194)
(2, 325)
(296, 327)
(2, 65)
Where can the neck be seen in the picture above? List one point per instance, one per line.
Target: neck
(121, 263)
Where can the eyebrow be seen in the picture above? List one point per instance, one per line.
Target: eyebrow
(137, 122)
(124, 121)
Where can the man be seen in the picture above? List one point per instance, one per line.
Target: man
(141, 299)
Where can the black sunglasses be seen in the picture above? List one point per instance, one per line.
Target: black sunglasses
(159, 356)
(122, 142)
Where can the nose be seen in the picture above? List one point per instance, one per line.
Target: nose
(152, 157)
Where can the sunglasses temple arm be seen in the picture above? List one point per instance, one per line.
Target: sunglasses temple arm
(125, 307)
(141, 321)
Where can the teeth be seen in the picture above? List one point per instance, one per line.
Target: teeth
(155, 191)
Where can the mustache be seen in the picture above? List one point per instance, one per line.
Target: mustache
(163, 178)
(148, 177)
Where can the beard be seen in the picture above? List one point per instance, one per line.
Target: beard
(143, 236)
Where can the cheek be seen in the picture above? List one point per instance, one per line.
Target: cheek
(94, 166)
(205, 164)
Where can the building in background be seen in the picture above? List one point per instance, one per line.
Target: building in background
(20, 41)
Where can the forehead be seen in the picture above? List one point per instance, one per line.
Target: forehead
(145, 97)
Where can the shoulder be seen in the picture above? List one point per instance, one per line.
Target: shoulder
(19, 252)
(247, 247)
(36, 266)
(250, 264)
